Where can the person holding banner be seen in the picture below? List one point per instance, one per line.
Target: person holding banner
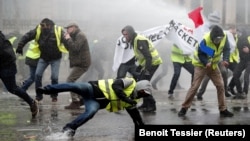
(213, 47)
(179, 60)
(148, 61)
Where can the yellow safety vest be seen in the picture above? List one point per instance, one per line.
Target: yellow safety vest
(58, 32)
(115, 104)
(234, 56)
(32, 51)
(178, 56)
(217, 52)
(156, 59)
(12, 39)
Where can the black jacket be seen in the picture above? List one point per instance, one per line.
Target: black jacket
(7, 54)
(47, 44)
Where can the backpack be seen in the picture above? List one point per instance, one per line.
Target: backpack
(7, 54)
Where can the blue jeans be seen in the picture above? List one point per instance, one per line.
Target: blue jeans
(41, 67)
(85, 90)
(177, 71)
(28, 82)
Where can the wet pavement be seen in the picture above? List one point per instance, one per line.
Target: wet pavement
(16, 123)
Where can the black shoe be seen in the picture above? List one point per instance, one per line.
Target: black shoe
(41, 90)
(227, 94)
(81, 102)
(69, 132)
(141, 107)
(182, 112)
(226, 113)
(199, 98)
(231, 90)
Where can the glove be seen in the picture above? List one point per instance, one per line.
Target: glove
(145, 72)
(132, 102)
(19, 50)
(138, 69)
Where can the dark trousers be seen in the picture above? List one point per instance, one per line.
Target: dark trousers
(148, 101)
(8, 76)
(177, 71)
(243, 65)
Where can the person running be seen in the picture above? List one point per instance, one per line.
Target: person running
(8, 71)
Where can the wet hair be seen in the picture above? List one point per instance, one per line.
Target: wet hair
(130, 30)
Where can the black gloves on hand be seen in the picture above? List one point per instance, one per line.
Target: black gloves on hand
(19, 50)
(133, 102)
(145, 72)
(138, 69)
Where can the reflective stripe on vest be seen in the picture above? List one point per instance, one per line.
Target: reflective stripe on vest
(33, 51)
(58, 32)
(115, 104)
(217, 52)
(178, 56)
(12, 39)
(156, 59)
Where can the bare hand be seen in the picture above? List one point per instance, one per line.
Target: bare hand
(225, 63)
(67, 36)
(245, 49)
(208, 65)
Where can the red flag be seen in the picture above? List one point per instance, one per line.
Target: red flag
(195, 15)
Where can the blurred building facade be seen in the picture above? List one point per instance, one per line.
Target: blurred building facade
(23, 15)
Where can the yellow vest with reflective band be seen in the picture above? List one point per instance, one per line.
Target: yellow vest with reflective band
(115, 103)
(12, 39)
(178, 56)
(58, 32)
(234, 56)
(217, 52)
(156, 59)
(33, 51)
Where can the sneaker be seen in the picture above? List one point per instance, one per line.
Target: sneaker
(149, 109)
(226, 113)
(240, 96)
(34, 108)
(182, 112)
(68, 131)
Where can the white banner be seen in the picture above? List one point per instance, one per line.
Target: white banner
(182, 36)
(124, 51)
